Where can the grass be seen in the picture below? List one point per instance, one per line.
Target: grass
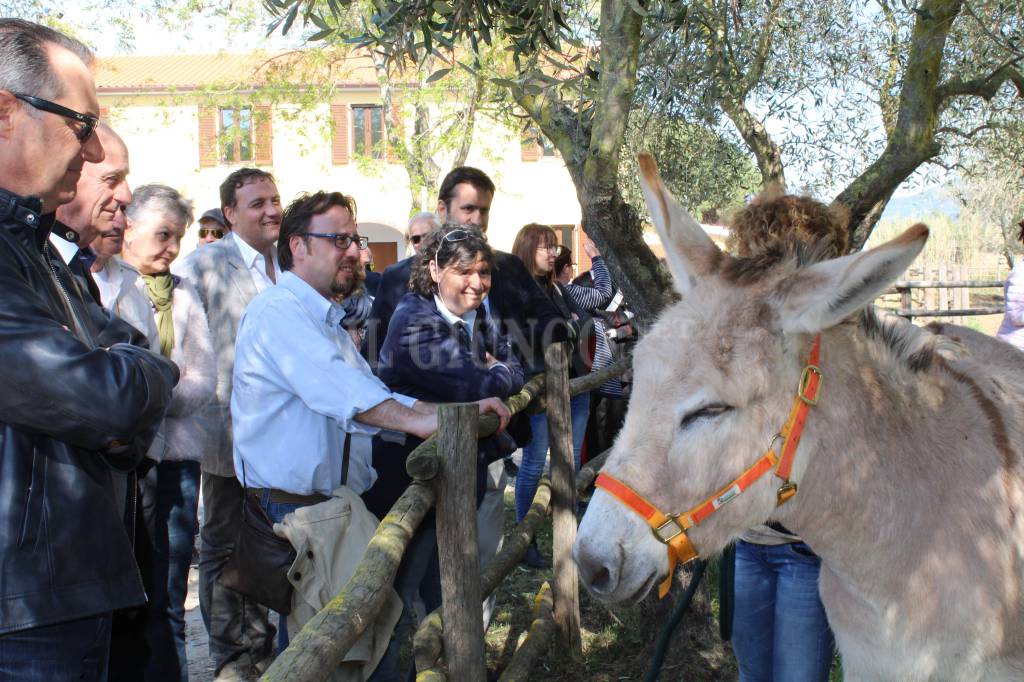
(618, 641)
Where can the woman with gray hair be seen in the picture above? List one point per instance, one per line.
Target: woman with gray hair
(157, 219)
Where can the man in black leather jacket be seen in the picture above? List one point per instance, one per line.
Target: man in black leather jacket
(76, 397)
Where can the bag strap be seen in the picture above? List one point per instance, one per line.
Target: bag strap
(344, 458)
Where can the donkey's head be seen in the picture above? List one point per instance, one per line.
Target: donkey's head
(714, 380)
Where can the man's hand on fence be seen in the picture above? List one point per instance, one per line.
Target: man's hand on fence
(499, 408)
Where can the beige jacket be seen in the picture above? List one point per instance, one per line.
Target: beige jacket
(330, 539)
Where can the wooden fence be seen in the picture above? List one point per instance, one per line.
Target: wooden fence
(449, 644)
(951, 298)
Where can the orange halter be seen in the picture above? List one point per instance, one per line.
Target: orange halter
(670, 529)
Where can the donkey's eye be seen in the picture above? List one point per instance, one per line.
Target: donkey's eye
(706, 412)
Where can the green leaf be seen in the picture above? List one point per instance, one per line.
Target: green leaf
(290, 19)
(437, 75)
(321, 35)
(443, 8)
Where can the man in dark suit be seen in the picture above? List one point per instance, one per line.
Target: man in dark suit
(516, 302)
(524, 314)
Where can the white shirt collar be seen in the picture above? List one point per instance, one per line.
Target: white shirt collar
(249, 254)
(67, 250)
(469, 318)
(318, 307)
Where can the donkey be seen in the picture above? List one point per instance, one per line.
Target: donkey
(908, 477)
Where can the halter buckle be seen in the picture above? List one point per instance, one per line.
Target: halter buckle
(785, 493)
(664, 533)
(805, 383)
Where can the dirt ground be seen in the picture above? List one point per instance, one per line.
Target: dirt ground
(200, 666)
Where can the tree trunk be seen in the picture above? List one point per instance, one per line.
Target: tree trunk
(767, 153)
(912, 142)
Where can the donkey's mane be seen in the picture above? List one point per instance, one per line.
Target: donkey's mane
(910, 346)
(782, 255)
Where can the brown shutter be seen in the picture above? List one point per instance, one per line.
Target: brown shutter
(263, 138)
(530, 150)
(339, 143)
(208, 156)
(399, 131)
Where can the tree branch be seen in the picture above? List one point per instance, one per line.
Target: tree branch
(985, 87)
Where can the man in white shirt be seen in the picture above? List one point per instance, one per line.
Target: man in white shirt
(228, 275)
(300, 384)
(304, 401)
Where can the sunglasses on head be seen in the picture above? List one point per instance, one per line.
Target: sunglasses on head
(453, 236)
(88, 121)
(214, 232)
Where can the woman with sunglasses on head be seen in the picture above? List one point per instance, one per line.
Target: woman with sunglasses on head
(157, 219)
(537, 246)
(441, 346)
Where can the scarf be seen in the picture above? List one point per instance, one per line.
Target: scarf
(159, 289)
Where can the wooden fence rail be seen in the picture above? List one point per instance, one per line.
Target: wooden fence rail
(960, 300)
(435, 467)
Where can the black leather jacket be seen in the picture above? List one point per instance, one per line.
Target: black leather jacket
(75, 396)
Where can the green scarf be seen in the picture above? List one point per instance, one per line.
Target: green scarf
(160, 288)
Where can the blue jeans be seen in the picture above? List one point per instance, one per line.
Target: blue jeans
(76, 650)
(170, 503)
(779, 629)
(536, 451)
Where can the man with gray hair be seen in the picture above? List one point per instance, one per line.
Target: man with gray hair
(101, 193)
(420, 225)
(79, 398)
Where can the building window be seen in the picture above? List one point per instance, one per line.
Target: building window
(236, 134)
(368, 131)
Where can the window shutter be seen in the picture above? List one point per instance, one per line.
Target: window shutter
(208, 156)
(263, 135)
(339, 143)
(530, 150)
(399, 131)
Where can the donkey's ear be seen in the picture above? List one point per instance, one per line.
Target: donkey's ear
(822, 295)
(688, 249)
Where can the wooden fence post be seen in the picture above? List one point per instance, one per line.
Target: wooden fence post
(457, 542)
(563, 497)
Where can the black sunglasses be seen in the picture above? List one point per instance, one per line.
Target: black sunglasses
(453, 236)
(342, 241)
(215, 232)
(416, 238)
(88, 121)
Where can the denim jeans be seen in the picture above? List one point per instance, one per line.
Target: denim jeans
(535, 452)
(779, 629)
(170, 504)
(76, 650)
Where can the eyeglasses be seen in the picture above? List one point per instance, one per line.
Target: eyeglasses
(550, 249)
(88, 121)
(453, 236)
(416, 238)
(341, 241)
(214, 232)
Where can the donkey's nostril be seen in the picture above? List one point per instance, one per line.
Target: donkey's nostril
(600, 574)
(599, 580)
